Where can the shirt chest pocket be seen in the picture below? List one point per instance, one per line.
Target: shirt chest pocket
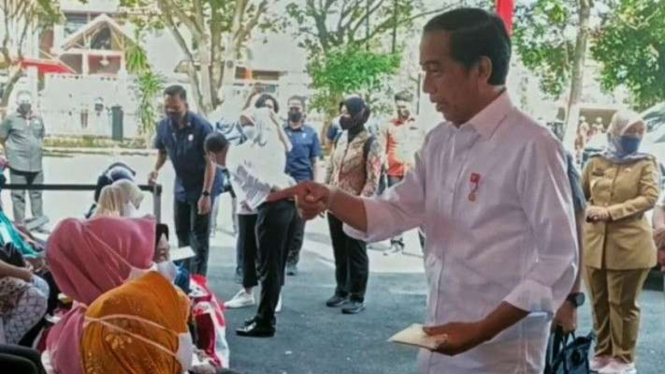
(37, 129)
(627, 184)
(184, 147)
(600, 183)
(304, 143)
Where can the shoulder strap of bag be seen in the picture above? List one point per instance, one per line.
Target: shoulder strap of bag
(367, 147)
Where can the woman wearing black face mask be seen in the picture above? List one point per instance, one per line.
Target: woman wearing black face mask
(355, 167)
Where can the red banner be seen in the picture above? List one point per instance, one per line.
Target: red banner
(505, 9)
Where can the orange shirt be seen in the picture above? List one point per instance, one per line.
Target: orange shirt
(401, 140)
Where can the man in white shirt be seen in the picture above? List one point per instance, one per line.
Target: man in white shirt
(254, 175)
(489, 188)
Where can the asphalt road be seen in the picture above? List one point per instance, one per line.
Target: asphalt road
(312, 338)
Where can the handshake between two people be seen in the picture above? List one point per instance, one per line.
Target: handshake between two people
(312, 199)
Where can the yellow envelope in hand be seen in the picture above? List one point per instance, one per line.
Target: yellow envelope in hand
(415, 336)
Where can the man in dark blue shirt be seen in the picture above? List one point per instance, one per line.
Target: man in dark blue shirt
(301, 164)
(180, 138)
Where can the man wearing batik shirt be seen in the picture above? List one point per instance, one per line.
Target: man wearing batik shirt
(400, 139)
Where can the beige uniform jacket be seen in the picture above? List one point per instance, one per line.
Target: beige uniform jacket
(628, 191)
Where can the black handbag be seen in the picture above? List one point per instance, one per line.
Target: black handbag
(11, 255)
(568, 354)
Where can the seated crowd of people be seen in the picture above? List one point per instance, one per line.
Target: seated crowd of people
(103, 296)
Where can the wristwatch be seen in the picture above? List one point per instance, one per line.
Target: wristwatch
(576, 298)
(206, 193)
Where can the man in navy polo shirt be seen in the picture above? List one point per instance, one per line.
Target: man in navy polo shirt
(180, 138)
(301, 165)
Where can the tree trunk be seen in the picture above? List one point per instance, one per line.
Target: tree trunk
(206, 82)
(14, 77)
(577, 76)
(228, 68)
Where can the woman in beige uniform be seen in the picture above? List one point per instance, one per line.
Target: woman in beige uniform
(620, 185)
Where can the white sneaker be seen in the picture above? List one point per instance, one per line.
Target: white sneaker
(619, 367)
(598, 363)
(241, 300)
(278, 308)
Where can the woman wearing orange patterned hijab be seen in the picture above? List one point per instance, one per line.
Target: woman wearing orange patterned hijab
(138, 328)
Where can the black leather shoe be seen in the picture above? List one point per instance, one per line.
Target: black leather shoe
(254, 319)
(256, 330)
(353, 307)
(336, 301)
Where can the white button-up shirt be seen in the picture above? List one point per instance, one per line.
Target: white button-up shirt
(495, 203)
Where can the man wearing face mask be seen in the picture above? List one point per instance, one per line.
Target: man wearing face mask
(301, 165)
(355, 167)
(180, 138)
(22, 136)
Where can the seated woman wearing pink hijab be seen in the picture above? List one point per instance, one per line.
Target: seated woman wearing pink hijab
(87, 259)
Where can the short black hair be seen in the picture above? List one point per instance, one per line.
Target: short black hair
(261, 102)
(215, 143)
(404, 96)
(300, 99)
(476, 33)
(176, 90)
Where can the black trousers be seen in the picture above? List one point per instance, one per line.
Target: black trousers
(296, 244)
(274, 232)
(193, 230)
(351, 262)
(247, 249)
(17, 359)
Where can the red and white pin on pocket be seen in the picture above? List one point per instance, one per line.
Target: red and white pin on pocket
(474, 183)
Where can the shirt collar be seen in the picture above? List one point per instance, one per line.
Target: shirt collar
(188, 121)
(398, 121)
(287, 126)
(488, 119)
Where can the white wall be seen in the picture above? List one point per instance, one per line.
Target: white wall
(66, 96)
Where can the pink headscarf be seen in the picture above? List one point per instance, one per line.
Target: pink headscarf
(81, 257)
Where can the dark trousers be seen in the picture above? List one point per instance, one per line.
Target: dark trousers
(17, 359)
(193, 230)
(274, 232)
(18, 196)
(351, 262)
(296, 244)
(247, 249)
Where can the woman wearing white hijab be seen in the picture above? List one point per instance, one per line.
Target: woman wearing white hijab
(121, 199)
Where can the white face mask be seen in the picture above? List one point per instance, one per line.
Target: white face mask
(135, 273)
(129, 211)
(249, 131)
(185, 352)
(168, 270)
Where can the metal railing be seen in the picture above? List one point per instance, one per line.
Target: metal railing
(155, 190)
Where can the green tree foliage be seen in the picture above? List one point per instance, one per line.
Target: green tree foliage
(217, 32)
(544, 37)
(631, 48)
(352, 45)
(147, 87)
(348, 70)
(21, 20)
